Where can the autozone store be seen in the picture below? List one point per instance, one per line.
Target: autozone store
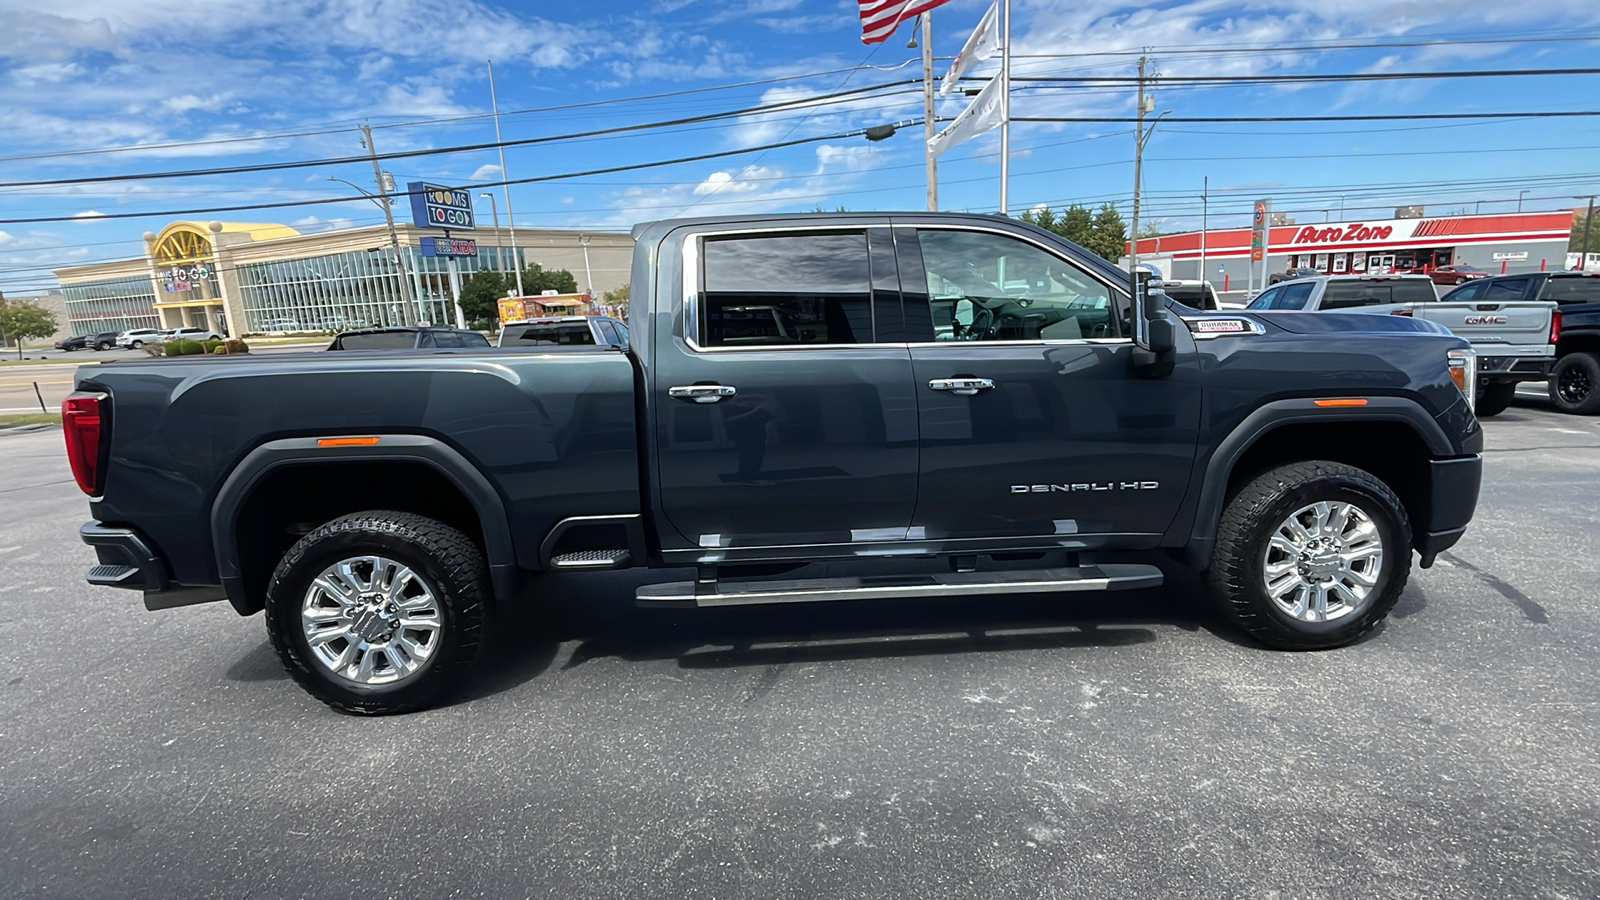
(1509, 242)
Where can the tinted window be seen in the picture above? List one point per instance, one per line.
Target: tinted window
(473, 339)
(1193, 296)
(1350, 294)
(1583, 289)
(786, 289)
(622, 332)
(383, 340)
(990, 287)
(1265, 299)
(1294, 296)
(446, 339)
(1506, 289)
(607, 332)
(1469, 291)
(547, 334)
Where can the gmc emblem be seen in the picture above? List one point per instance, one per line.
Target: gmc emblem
(1485, 320)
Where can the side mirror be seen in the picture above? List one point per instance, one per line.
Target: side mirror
(1156, 343)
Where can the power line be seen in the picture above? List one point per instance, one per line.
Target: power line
(1244, 48)
(1357, 118)
(801, 103)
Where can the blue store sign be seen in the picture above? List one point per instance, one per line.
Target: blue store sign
(437, 206)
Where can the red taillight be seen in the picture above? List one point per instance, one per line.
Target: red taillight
(1555, 326)
(1402, 312)
(83, 421)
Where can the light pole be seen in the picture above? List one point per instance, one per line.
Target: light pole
(588, 276)
(495, 214)
(382, 199)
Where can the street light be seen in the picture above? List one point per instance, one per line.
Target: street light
(383, 202)
(495, 213)
(1519, 199)
(588, 276)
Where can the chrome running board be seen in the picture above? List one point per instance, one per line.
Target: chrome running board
(953, 584)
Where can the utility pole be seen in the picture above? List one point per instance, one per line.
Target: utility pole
(1005, 110)
(1138, 158)
(1205, 208)
(406, 302)
(511, 216)
(928, 123)
(1583, 251)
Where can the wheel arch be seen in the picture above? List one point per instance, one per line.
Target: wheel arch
(1389, 437)
(281, 479)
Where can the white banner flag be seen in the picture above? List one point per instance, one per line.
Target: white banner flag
(983, 43)
(982, 115)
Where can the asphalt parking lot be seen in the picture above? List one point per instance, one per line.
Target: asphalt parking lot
(1022, 747)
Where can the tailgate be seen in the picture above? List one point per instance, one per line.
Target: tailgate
(1519, 327)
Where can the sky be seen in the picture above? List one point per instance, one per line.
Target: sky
(100, 88)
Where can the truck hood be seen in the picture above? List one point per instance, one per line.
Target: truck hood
(1348, 323)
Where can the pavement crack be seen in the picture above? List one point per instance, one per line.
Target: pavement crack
(1530, 609)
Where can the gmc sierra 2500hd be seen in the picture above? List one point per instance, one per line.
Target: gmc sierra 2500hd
(883, 388)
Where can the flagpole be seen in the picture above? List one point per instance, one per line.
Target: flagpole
(928, 123)
(1005, 110)
(511, 216)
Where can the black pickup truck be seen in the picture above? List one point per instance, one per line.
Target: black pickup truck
(955, 404)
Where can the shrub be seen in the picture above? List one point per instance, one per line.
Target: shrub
(235, 346)
(182, 347)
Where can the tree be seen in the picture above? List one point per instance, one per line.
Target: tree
(619, 295)
(480, 297)
(1108, 235)
(536, 279)
(1150, 229)
(1575, 244)
(23, 319)
(1074, 223)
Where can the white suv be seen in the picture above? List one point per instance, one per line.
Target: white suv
(138, 337)
(190, 334)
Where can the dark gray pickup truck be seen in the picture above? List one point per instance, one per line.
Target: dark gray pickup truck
(958, 404)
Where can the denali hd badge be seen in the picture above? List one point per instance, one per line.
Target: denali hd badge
(1092, 486)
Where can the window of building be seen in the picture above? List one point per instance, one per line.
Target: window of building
(786, 289)
(992, 287)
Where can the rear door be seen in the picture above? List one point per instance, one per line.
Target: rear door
(1033, 421)
(779, 419)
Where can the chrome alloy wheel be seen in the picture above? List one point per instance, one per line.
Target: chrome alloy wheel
(371, 620)
(1322, 562)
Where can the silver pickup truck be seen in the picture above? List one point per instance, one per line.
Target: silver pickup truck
(1514, 339)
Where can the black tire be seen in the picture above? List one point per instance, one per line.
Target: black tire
(1494, 398)
(1460, 281)
(448, 562)
(1575, 384)
(1236, 576)
(136, 344)
(103, 345)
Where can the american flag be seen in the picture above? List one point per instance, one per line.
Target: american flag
(879, 18)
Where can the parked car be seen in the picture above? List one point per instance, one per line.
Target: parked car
(1192, 293)
(408, 337)
(1456, 274)
(564, 331)
(1291, 274)
(76, 342)
(281, 325)
(105, 340)
(1515, 340)
(138, 337)
(379, 513)
(190, 334)
(1574, 382)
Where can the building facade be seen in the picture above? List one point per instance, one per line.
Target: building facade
(254, 277)
(1503, 242)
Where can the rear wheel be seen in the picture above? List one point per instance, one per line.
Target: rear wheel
(1459, 281)
(1575, 384)
(136, 344)
(1494, 397)
(377, 612)
(1311, 555)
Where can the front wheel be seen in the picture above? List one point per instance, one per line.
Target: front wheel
(1311, 555)
(1459, 281)
(136, 344)
(1575, 384)
(1494, 398)
(377, 612)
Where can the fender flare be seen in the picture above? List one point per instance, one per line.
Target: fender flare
(441, 457)
(1268, 417)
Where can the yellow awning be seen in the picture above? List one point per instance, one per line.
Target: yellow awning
(183, 304)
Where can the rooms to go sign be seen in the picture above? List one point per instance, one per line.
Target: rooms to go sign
(436, 206)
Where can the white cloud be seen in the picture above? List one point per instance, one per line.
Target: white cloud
(484, 172)
(89, 214)
(189, 102)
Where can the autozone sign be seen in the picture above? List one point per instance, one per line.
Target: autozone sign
(1341, 234)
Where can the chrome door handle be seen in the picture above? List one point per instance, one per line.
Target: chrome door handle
(966, 387)
(702, 393)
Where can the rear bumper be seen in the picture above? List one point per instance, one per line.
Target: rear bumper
(127, 561)
(1452, 499)
(1501, 369)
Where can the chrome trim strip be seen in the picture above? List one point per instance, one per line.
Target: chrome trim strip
(950, 584)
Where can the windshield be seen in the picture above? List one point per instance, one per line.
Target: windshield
(547, 334)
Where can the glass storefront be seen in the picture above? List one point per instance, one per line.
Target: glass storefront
(115, 304)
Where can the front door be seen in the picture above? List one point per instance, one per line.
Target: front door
(1033, 420)
(778, 420)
